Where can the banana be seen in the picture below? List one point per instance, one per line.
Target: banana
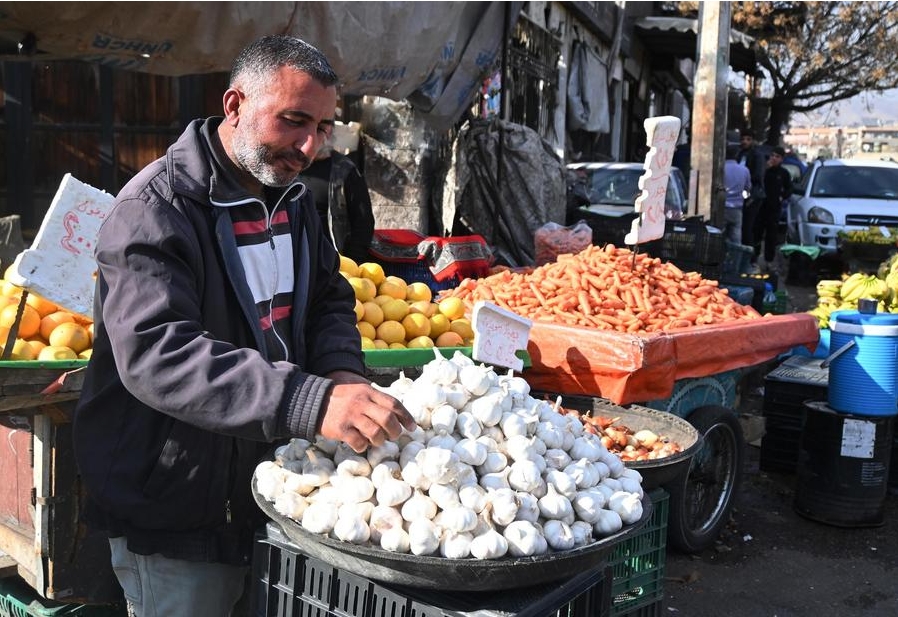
(852, 286)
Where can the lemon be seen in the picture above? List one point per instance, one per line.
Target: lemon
(452, 307)
(380, 344)
(391, 331)
(424, 307)
(366, 330)
(397, 346)
(374, 315)
(418, 291)
(359, 310)
(395, 310)
(364, 288)
(348, 266)
(70, 334)
(416, 325)
(85, 355)
(37, 345)
(420, 342)
(52, 320)
(57, 352)
(373, 272)
(439, 324)
(21, 350)
(367, 343)
(382, 299)
(43, 306)
(462, 327)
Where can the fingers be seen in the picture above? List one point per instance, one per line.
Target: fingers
(361, 416)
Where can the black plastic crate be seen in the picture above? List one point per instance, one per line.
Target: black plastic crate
(637, 564)
(692, 241)
(289, 583)
(607, 229)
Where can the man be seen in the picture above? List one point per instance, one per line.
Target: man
(342, 201)
(737, 183)
(750, 158)
(222, 325)
(777, 187)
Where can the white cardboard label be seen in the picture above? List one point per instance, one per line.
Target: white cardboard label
(661, 138)
(858, 438)
(498, 334)
(60, 265)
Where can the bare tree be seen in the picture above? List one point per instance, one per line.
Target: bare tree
(813, 54)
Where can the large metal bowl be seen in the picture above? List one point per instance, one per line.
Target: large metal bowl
(656, 472)
(428, 572)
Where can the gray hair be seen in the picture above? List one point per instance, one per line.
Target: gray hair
(258, 61)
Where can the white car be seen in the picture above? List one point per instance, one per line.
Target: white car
(840, 195)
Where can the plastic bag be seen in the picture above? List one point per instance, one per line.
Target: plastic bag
(552, 240)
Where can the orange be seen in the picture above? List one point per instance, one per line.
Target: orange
(348, 266)
(374, 315)
(439, 323)
(85, 355)
(29, 324)
(420, 342)
(37, 345)
(382, 299)
(367, 343)
(391, 331)
(449, 339)
(41, 305)
(425, 307)
(57, 353)
(366, 329)
(372, 271)
(52, 320)
(397, 346)
(364, 289)
(359, 310)
(380, 344)
(10, 291)
(72, 335)
(394, 287)
(462, 327)
(395, 309)
(416, 325)
(21, 350)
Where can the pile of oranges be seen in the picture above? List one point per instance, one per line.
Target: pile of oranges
(394, 314)
(45, 331)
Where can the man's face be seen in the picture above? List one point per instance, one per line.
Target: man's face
(282, 126)
(775, 159)
(746, 141)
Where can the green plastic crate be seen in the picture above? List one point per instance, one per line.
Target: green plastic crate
(637, 565)
(17, 599)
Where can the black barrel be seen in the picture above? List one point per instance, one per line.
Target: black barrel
(843, 467)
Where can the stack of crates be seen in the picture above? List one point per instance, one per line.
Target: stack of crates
(693, 246)
(637, 565)
(18, 599)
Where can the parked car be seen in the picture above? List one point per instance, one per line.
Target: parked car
(842, 194)
(611, 189)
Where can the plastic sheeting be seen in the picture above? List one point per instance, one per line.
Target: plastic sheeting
(432, 53)
(504, 205)
(632, 368)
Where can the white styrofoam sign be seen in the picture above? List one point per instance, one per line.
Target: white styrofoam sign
(858, 438)
(60, 265)
(661, 138)
(498, 334)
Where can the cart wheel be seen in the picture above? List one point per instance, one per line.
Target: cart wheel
(701, 499)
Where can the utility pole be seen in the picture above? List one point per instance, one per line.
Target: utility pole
(709, 113)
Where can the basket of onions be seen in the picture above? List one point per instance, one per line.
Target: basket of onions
(494, 489)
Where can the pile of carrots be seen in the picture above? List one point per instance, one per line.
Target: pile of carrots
(608, 288)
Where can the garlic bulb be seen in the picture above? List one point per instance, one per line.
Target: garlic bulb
(293, 450)
(444, 441)
(583, 472)
(489, 545)
(551, 435)
(494, 462)
(362, 510)
(352, 528)
(395, 540)
(470, 451)
(455, 545)
(627, 505)
(474, 497)
(587, 505)
(440, 371)
(513, 425)
(385, 471)
(528, 510)
(487, 409)
(354, 466)
(353, 489)
(562, 482)
(418, 506)
(319, 517)
(393, 492)
(456, 518)
(557, 458)
(559, 535)
(388, 451)
(556, 506)
(496, 480)
(443, 417)
(291, 504)
(503, 505)
(270, 480)
(457, 396)
(524, 475)
(382, 519)
(327, 446)
(475, 379)
(444, 495)
(524, 539)
(582, 532)
(461, 360)
(423, 536)
(438, 464)
(608, 522)
(467, 425)
(587, 446)
(409, 452)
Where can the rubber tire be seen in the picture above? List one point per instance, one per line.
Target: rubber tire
(701, 499)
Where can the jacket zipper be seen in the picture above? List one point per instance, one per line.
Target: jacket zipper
(269, 217)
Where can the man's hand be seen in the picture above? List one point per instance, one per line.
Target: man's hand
(360, 415)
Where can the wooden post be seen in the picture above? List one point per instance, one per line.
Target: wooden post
(709, 111)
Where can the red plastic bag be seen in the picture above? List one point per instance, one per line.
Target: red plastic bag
(552, 240)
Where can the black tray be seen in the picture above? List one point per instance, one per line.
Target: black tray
(429, 572)
(657, 472)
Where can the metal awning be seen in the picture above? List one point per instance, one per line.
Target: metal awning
(677, 36)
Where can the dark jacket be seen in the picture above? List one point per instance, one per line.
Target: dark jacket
(179, 402)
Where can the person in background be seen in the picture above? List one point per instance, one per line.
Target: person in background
(777, 187)
(737, 183)
(342, 201)
(750, 158)
(223, 326)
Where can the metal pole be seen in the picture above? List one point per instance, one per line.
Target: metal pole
(709, 113)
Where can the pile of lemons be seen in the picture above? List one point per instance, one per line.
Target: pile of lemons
(45, 331)
(394, 314)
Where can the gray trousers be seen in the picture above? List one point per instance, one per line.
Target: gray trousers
(157, 586)
(732, 225)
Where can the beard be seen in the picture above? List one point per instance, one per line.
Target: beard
(260, 161)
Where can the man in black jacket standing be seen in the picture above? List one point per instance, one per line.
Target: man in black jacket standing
(750, 158)
(777, 187)
(222, 325)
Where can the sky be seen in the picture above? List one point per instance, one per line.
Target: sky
(862, 109)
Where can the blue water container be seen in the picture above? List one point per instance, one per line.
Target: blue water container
(863, 363)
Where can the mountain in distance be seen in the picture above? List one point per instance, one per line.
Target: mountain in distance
(869, 109)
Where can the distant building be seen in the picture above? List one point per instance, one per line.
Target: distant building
(844, 141)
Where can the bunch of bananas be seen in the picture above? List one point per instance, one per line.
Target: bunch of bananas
(860, 285)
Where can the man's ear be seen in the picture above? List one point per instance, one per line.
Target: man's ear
(231, 104)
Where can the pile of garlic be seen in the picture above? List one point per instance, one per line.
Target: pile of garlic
(489, 471)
